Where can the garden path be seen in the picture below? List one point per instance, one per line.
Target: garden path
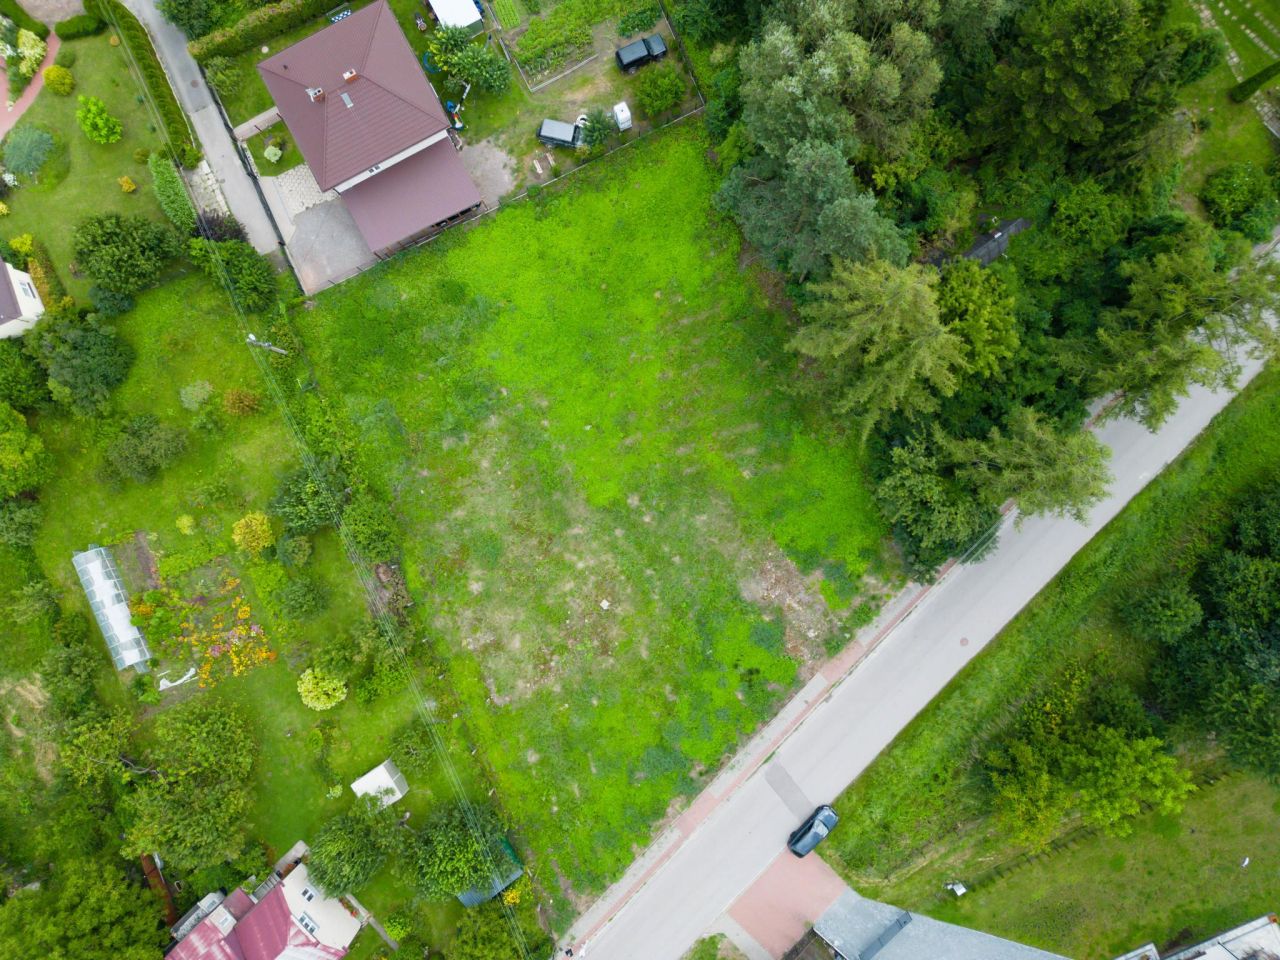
(15, 110)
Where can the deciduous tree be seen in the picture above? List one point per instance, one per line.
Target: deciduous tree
(24, 462)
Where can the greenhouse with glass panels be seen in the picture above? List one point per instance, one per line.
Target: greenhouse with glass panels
(110, 603)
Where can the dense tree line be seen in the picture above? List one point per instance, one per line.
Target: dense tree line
(865, 143)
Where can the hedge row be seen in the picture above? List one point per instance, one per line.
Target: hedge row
(24, 20)
(135, 37)
(47, 282)
(262, 24)
(1247, 87)
(83, 25)
(171, 193)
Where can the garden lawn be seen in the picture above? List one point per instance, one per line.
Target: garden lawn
(80, 178)
(1177, 881)
(1230, 131)
(184, 332)
(1252, 27)
(275, 134)
(579, 411)
(919, 816)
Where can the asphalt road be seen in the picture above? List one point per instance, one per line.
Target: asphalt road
(197, 102)
(841, 736)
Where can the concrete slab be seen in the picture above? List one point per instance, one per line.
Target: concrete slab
(326, 246)
(786, 900)
(491, 169)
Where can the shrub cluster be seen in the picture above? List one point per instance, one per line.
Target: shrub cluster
(1250, 85)
(252, 278)
(637, 21)
(171, 193)
(58, 79)
(26, 149)
(139, 43)
(13, 10)
(659, 90)
(98, 125)
(262, 24)
(83, 25)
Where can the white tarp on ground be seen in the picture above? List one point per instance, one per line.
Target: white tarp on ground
(456, 13)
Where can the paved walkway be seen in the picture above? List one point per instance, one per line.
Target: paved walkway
(266, 118)
(14, 111)
(784, 902)
(219, 149)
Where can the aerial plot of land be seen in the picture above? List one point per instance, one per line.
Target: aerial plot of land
(538, 478)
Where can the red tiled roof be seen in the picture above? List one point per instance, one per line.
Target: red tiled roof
(407, 198)
(392, 105)
(263, 931)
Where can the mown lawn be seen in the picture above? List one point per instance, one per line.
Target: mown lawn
(579, 410)
(1229, 132)
(1253, 29)
(1175, 882)
(918, 817)
(80, 177)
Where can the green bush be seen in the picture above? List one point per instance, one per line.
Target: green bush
(124, 254)
(66, 57)
(59, 80)
(371, 525)
(22, 383)
(143, 447)
(26, 149)
(135, 37)
(659, 90)
(19, 522)
(251, 276)
(13, 10)
(83, 360)
(1241, 197)
(303, 503)
(1250, 85)
(83, 25)
(171, 193)
(98, 125)
(224, 75)
(109, 303)
(319, 691)
(481, 66)
(301, 598)
(637, 21)
(265, 23)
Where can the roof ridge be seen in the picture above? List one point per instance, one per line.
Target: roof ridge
(383, 8)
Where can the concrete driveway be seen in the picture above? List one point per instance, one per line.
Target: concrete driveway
(327, 247)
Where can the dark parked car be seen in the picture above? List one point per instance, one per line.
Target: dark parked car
(639, 52)
(810, 833)
(557, 133)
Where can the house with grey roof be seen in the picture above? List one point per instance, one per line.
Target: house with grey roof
(1256, 940)
(371, 127)
(855, 928)
(20, 303)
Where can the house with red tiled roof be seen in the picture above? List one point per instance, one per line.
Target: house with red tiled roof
(286, 918)
(371, 127)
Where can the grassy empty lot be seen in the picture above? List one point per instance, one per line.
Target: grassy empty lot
(80, 177)
(919, 816)
(1176, 882)
(579, 409)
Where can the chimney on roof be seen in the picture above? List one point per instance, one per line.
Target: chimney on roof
(349, 75)
(315, 93)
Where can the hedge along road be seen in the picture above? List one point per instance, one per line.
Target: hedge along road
(840, 722)
(219, 150)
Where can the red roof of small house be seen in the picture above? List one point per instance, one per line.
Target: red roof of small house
(386, 107)
(411, 196)
(261, 931)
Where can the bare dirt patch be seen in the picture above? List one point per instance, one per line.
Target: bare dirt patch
(778, 582)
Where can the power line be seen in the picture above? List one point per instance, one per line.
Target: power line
(386, 622)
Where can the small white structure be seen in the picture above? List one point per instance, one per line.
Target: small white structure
(622, 115)
(458, 13)
(110, 604)
(385, 781)
(20, 303)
